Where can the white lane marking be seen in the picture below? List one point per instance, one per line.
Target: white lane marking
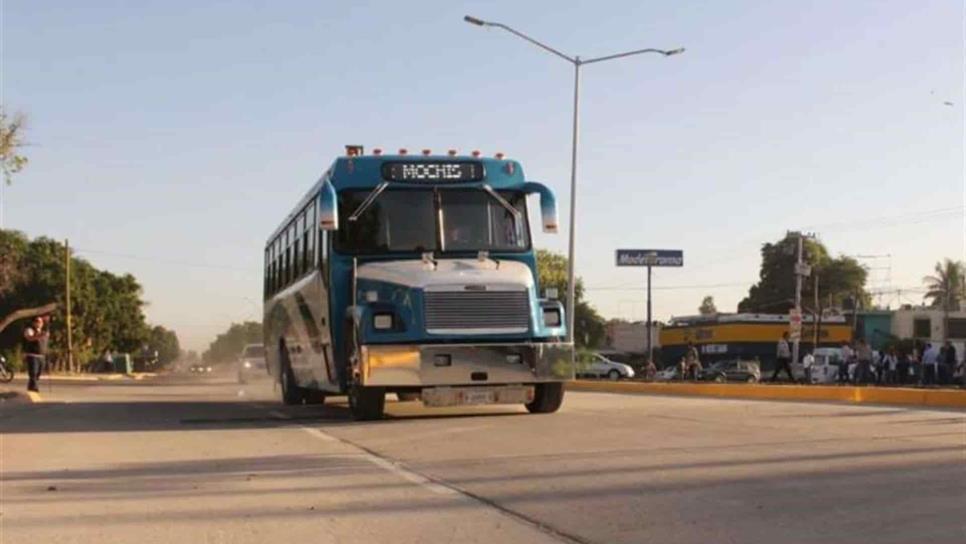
(380, 462)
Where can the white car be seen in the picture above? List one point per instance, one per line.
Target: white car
(595, 365)
(251, 363)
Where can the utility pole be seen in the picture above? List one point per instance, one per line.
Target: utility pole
(650, 338)
(818, 318)
(799, 272)
(70, 339)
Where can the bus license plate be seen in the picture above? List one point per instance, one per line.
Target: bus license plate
(479, 397)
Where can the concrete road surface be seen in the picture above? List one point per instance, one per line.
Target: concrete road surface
(190, 460)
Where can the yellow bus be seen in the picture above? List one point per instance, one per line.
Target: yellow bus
(746, 336)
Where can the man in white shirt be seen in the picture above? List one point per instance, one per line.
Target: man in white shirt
(930, 362)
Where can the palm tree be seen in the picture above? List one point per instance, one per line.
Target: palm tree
(947, 289)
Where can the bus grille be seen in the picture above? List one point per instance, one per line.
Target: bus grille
(477, 312)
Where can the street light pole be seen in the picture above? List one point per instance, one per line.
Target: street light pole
(577, 62)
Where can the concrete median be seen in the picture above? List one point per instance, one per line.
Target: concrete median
(944, 398)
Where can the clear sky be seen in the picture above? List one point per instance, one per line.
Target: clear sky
(170, 137)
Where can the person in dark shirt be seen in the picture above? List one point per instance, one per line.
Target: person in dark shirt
(35, 339)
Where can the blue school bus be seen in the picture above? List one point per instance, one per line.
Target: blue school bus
(414, 275)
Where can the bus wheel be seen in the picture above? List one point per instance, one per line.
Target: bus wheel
(366, 403)
(291, 393)
(313, 396)
(547, 398)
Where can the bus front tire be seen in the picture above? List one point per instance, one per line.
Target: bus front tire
(366, 403)
(547, 398)
(291, 393)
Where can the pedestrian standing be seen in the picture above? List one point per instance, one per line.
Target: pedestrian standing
(864, 367)
(903, 368)
(691, 362)
(930, 360)
(889, 366)
(783, 359)
(35, 339)
(848, 357)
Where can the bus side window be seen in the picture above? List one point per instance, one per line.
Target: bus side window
(276, 264)
(297, 247)
(266, 280)
(309, 236)
(287, 261)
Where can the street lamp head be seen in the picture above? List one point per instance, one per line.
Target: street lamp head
(473, 20)
(677, 51)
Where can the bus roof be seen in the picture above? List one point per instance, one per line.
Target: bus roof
(368, 171)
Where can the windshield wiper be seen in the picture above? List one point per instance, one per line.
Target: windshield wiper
(369, 200)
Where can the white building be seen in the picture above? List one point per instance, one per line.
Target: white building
(626, 337)
(926, 324)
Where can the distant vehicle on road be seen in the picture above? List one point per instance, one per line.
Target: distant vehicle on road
(414, 274)
(200, 369)
(251, 363)
(733, 370)
(595, 365)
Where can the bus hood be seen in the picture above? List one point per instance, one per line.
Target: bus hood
(447, 274)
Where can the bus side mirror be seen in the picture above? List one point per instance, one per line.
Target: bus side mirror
(548, 204)
(328, 208)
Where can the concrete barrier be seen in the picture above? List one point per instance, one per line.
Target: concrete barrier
(945, 398)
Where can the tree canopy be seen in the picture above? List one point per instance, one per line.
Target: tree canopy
(107, 309)
(947, 288)
(228, 345)
(840, 278)
(589, 327)
(11, 143)
(707, 306)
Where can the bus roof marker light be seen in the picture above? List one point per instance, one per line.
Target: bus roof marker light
(451, 152)
(476, 153)
(427, 152)
(402, 151)
(377, 152)
(354, 150)
(499, 156)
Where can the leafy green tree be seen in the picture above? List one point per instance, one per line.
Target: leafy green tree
(107, 310)
(165, 342)
(840, 278)
(590, 328)
(947, 288)
(707, 306)
(228, 345)
(11, 143)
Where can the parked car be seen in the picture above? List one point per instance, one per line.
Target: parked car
(732, 370)
(595, 365)
(667, 374)
(251, 363)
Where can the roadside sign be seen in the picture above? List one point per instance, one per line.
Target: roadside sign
(795, 324)
(650, 257)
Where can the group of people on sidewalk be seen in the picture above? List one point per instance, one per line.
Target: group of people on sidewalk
(931, 364)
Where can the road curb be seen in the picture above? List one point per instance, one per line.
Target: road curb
(943, 398)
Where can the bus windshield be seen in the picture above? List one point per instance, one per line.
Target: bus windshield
(432, 220)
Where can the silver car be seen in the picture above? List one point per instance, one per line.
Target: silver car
(595, 365)
(251, 363)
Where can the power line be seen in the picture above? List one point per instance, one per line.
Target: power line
(163, 261)
(667, 287)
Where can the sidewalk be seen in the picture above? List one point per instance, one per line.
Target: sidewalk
(945, 398)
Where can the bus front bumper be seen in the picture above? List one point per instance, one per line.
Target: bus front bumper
(465, 364)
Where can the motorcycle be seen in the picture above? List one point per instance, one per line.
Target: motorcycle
(6, 373)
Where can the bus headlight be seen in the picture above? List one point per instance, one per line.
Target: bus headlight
(551, 317)
(382, 322)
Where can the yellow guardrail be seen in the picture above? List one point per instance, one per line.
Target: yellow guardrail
(945, 398)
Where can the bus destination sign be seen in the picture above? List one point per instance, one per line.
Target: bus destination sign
(433, 172)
